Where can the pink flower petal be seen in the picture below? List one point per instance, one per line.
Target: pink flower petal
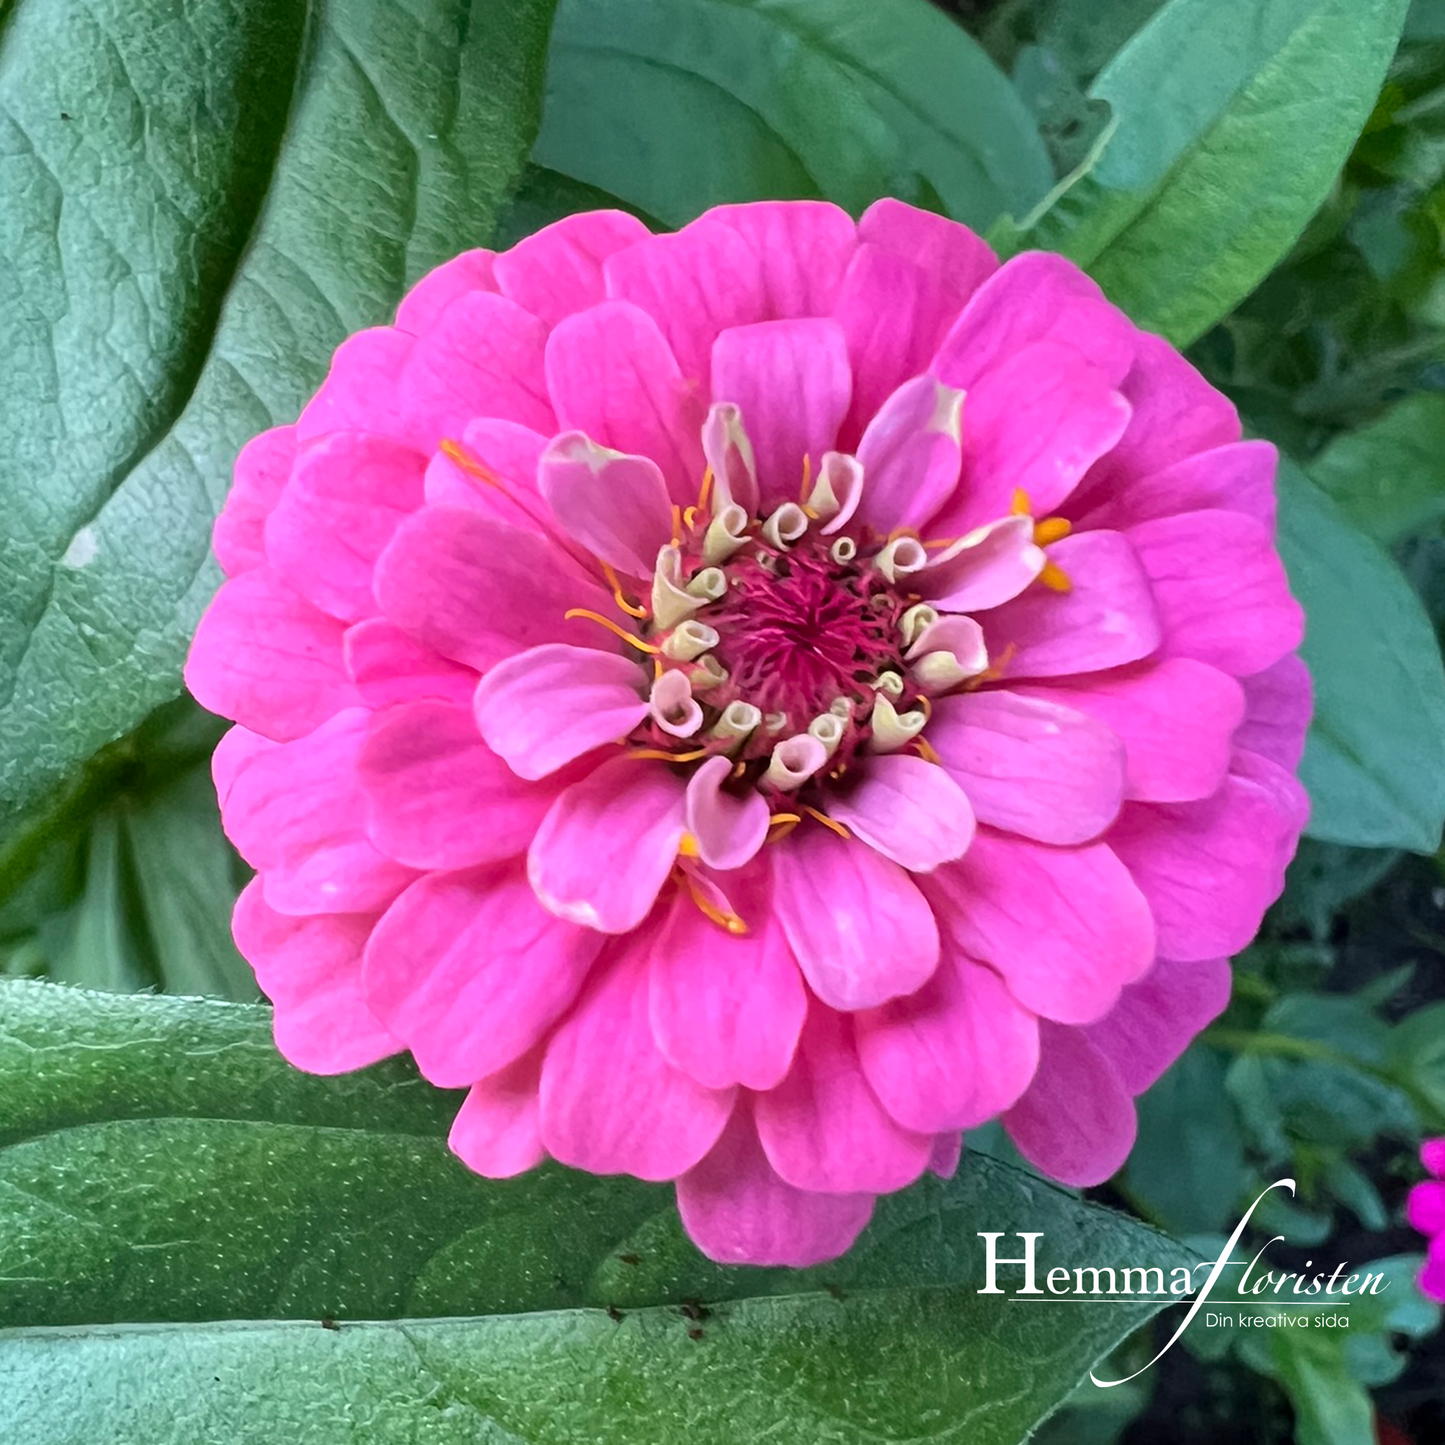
(909, 810)
(470, 972)
(1157, 1018)
(482, 357)
(478, 591)
(1432, 1156)
(1210, 869)
(823, 1129)
(267, 658)
(437, 796)
(496, 1132)
(505, 450)
(362, 390)
(952, 1055)
(738, 1211)
(802, 248)
(1066, 927)
(1236, 477)
(612, 375)
(985, 568)
(1176, 719)
(1077, 1121)
(613, 505)
(296, 813)
(388, 667)
(310, 969)
(348, 493)
(232, 754)
(729, 453)
(1030, 766)
(1425, 1207)
(1278, 705)
(791, 381)
(262, 470)
(607, 845)
(726, 1008)
(910, 455)
(931, 241)
(610, 1102)
(1220, 588)
(859, 928)
(1107, 617)
(558, 270)
(549, 705)
(947, 1152)
(728, 829)
(424, 303)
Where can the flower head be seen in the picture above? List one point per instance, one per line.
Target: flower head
(755, 702)
(1426, 1209)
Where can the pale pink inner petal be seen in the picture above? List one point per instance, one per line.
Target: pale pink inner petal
(728, 828)
(909, 810)
(910, 455)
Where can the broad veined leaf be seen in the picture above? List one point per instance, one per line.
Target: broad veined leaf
(162, 1170)
(1230, 120)
(197, 203)
(677, 105)
(1375, 761)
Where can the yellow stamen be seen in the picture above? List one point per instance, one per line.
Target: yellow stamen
(710, 910)
(663, 756)
(807, 477)
(687, 848)
(689, 517)
(1020, 506)
(994, 671)
(611, 626)
(657, 667)
(810, 514)
(780, 825)
(826, 821)
(1051, 529)
(939, 542)
(454, 452)
(630, 608)
(926, 751)
(740, 767)
(926, 703)
(1055, 578)
(898, 532)
(705, 491)
(676, 524)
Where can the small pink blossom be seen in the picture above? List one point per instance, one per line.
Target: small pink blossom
(753, 703)
(1426, 1209)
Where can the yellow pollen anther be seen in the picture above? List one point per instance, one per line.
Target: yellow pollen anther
(676, 524)
(939, 542)
(807, 477)
(689, 517)
(1020, 506)
(810, 514)
(611, 626)
(454, 452)
(657, 667)
(826, 821)
(687, 848)
(705, 491)
(630, 608)
(781, 824)
(663, 756)
(926, 751)
(740, 767)
(710, 910)
(1055, 578)
(1051, 529)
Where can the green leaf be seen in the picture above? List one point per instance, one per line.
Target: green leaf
(200, 202)
(160, 1166)
(1231, 119)
(1386, 477)
(678, 105)
(1417, 1054)
(1375, 761)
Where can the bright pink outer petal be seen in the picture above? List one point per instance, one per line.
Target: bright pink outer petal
(495, 1133)
(908, 810)
(983, 569)
(738, 1211)
(1210, 869)
(1278, 704)
(1425, 1207)
(551, 704)
(1157, 1018)
(310, 968)
(726, 1008)
(558, 270)
(1037, 296)
(930, 240)
(614, 505)
(296, 814)
(728, 829)
(860, 929)
(610, 1102)
(232, 754)
(1175, 717)
(1066, 927)
(947, 1151)
(823, 1129)
(1432, 1278)
(268, 658)
(507, 451)
(469, 971)
(1030, 766)
(1237, 477)
(612, 375)
(952, 1055)
(262, 468)
(348, 492)
(791, 381)
(607, 845)
(694, 283)
(1220, 588)
(477, 591)
(1037, 422)
(437, 796)
(482, 357)
(910, 455)
(362, 391)
(425, 302)
(1107, 617)
(1077, 1121)
(803, 249)
(388, 667)
(1432, 1156)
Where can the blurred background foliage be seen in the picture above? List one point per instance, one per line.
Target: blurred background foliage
(1329, 1066)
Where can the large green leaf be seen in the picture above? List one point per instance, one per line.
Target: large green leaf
(199, 201)
(1375, 761)
(162, 1168)
(677, 105)
(1230, 121)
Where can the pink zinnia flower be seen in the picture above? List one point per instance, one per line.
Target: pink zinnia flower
(755, 702)
(1426, 1209)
